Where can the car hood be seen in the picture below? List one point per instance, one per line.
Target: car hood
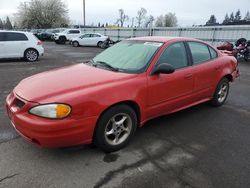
(65, 80)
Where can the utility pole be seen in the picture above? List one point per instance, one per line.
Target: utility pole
(84, 13)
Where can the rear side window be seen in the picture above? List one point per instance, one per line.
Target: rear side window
(213, 53)
(95, 35)
(74, 31)
(15, 37)
(200, 52)
(175, 55)
(1, 37)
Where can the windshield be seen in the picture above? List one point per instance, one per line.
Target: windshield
(129, 56)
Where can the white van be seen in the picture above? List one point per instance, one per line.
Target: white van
(15, 44)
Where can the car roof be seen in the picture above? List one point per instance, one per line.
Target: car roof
(14, 31)
(163, 39)
(92, 33)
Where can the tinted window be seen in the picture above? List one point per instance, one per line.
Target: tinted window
(16, 37)
(86, 36)
(1, 36)
(74, 31)
(95, 35)
(175, 55)
(213, 53)
(199, 51)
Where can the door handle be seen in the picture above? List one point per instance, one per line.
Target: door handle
(188, 76)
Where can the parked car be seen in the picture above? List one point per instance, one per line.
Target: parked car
(14, 44)
(48, 34)
(66, 35)
(104, 100)
(89, 39)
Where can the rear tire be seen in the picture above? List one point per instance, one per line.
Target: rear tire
(99, 44)
(221, 93)
(31, 55)
(115, 128)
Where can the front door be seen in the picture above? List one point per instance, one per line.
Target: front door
(167, 91)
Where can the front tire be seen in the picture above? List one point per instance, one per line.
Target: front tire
(62, 40)
(75, 44)
(115, 128)
(221, 93)
(31, 55)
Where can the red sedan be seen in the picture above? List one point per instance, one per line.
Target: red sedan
(104, 100)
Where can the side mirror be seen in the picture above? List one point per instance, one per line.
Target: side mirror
(163, 68)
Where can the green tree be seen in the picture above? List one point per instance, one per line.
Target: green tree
(227, 19)
(168, 20)
(247, 17)
(212, 20)
(8, 24)
(1, 24)
(232, 18)
(238, 16)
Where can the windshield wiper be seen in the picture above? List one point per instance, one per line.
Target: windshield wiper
(106, 65)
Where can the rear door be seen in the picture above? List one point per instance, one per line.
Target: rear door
(2, 43)
(15, 44)
(73, 34)
(95, 39)
(205, 67)
(85, 40)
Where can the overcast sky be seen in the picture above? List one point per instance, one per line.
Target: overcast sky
(188, 12)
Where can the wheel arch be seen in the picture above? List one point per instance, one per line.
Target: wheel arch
(129, 103)
(229, 77)
(30, 48)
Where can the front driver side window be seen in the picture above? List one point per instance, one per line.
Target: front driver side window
(175, 55)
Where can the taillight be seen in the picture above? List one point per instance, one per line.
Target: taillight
(39, 42)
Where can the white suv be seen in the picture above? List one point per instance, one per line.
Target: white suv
(15, 44)
(66, 35)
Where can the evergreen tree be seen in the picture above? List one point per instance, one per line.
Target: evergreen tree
(238, 16)
(227, 19)
(212, 20)
(8, 24)
(1, 24)
(247, 17)
(232, 17)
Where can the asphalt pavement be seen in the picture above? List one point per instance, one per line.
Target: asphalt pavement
(199, 147)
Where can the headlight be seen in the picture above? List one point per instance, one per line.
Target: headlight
(52, 111)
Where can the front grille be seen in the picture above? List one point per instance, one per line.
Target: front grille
(19, 103)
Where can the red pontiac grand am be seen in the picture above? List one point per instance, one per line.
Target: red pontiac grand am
(104, 100)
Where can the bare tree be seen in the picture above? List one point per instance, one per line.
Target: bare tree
(149, 21)
(42, 14)
(168, 20)
(122, 17)
(141, 16)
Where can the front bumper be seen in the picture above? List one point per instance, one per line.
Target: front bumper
(45, 132)
(236, 74)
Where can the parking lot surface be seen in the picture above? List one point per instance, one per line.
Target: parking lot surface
(198, 147)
